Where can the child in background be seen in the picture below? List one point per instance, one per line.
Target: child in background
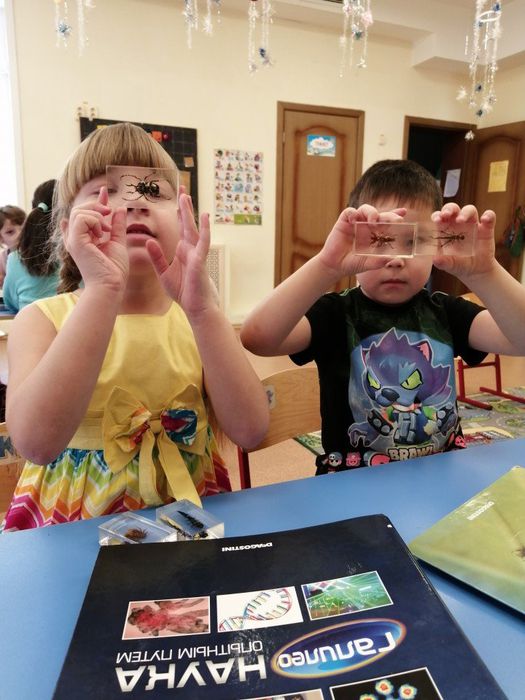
(31, 272)
(115, 383)
(385, 349)
(11, 220)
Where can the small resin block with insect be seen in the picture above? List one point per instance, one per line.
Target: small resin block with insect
(140, 188)
(129, 528)
(446, 239)
(393, 240)
(189, 521)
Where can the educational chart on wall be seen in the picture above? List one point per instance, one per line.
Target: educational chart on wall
(238, 187)
(335, 612)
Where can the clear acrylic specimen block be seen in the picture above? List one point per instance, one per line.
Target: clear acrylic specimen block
(392, 240)
(446, 239)
(189, 521)
(129, 528)
(140, 188)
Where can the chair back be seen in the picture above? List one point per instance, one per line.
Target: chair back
(5, 325)
(294, 399)
(10, 469)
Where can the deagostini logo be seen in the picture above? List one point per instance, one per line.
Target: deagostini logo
(239, 548)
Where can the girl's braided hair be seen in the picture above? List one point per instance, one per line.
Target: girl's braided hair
(34, 246)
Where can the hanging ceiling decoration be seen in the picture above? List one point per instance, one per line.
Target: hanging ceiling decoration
(191, 18)
(483, 63)
(357, 18)
(259, 51)
(64, 29)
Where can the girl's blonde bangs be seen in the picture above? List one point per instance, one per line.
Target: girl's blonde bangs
(118, 144)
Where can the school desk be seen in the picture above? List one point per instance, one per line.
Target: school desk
(44, 573)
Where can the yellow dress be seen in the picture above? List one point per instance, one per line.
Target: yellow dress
(145, 439)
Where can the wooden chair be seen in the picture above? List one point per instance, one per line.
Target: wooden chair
(462, 367)
(10, 469)
(293, 395)
(5, 325)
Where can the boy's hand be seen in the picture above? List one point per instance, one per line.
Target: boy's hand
(483, 259)
(186, 278)
(97, 244)
(337, 253)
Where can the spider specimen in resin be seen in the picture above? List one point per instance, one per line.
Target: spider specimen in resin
(144, 187)
(136, 534)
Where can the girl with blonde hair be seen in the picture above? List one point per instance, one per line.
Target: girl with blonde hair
(113, 382)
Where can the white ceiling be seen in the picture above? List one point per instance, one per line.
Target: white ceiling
(436, 29)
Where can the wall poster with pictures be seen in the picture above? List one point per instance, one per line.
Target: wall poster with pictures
(179, 142)
(238, 187)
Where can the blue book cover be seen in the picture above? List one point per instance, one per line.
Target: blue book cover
(340, 611)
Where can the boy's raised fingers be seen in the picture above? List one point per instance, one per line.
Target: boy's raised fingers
(486, 225)
(468, 213)
(448, 211)
(367, 212)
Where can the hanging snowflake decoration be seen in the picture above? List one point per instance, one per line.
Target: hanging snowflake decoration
(483, 63)
(357, 18)
(64, 29)
(259, 51)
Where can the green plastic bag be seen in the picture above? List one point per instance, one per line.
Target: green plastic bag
(516, 247)
(513, 238)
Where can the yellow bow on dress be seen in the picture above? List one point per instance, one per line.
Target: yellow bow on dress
(128, 428)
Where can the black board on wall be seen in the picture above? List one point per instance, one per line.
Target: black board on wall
(179, 142)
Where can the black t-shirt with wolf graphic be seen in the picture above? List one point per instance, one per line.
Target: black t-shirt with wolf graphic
(386, 374)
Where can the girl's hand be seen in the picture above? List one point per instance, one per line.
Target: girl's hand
(483, 260)
(98, 246)
(186, 278)
(338, 250)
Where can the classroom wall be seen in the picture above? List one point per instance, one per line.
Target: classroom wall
(138, 67)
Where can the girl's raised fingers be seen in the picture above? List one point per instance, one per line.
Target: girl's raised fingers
(103, 197)
(119, 225)
(157, 257)
(87, 217)
(203, 244)
(189, 228)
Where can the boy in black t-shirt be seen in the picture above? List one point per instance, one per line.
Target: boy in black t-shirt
(385, 349)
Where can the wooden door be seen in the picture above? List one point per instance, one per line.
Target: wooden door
(312, 189)
(500, 148)
(440, 146)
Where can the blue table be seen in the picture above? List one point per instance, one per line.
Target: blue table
(44, 573)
